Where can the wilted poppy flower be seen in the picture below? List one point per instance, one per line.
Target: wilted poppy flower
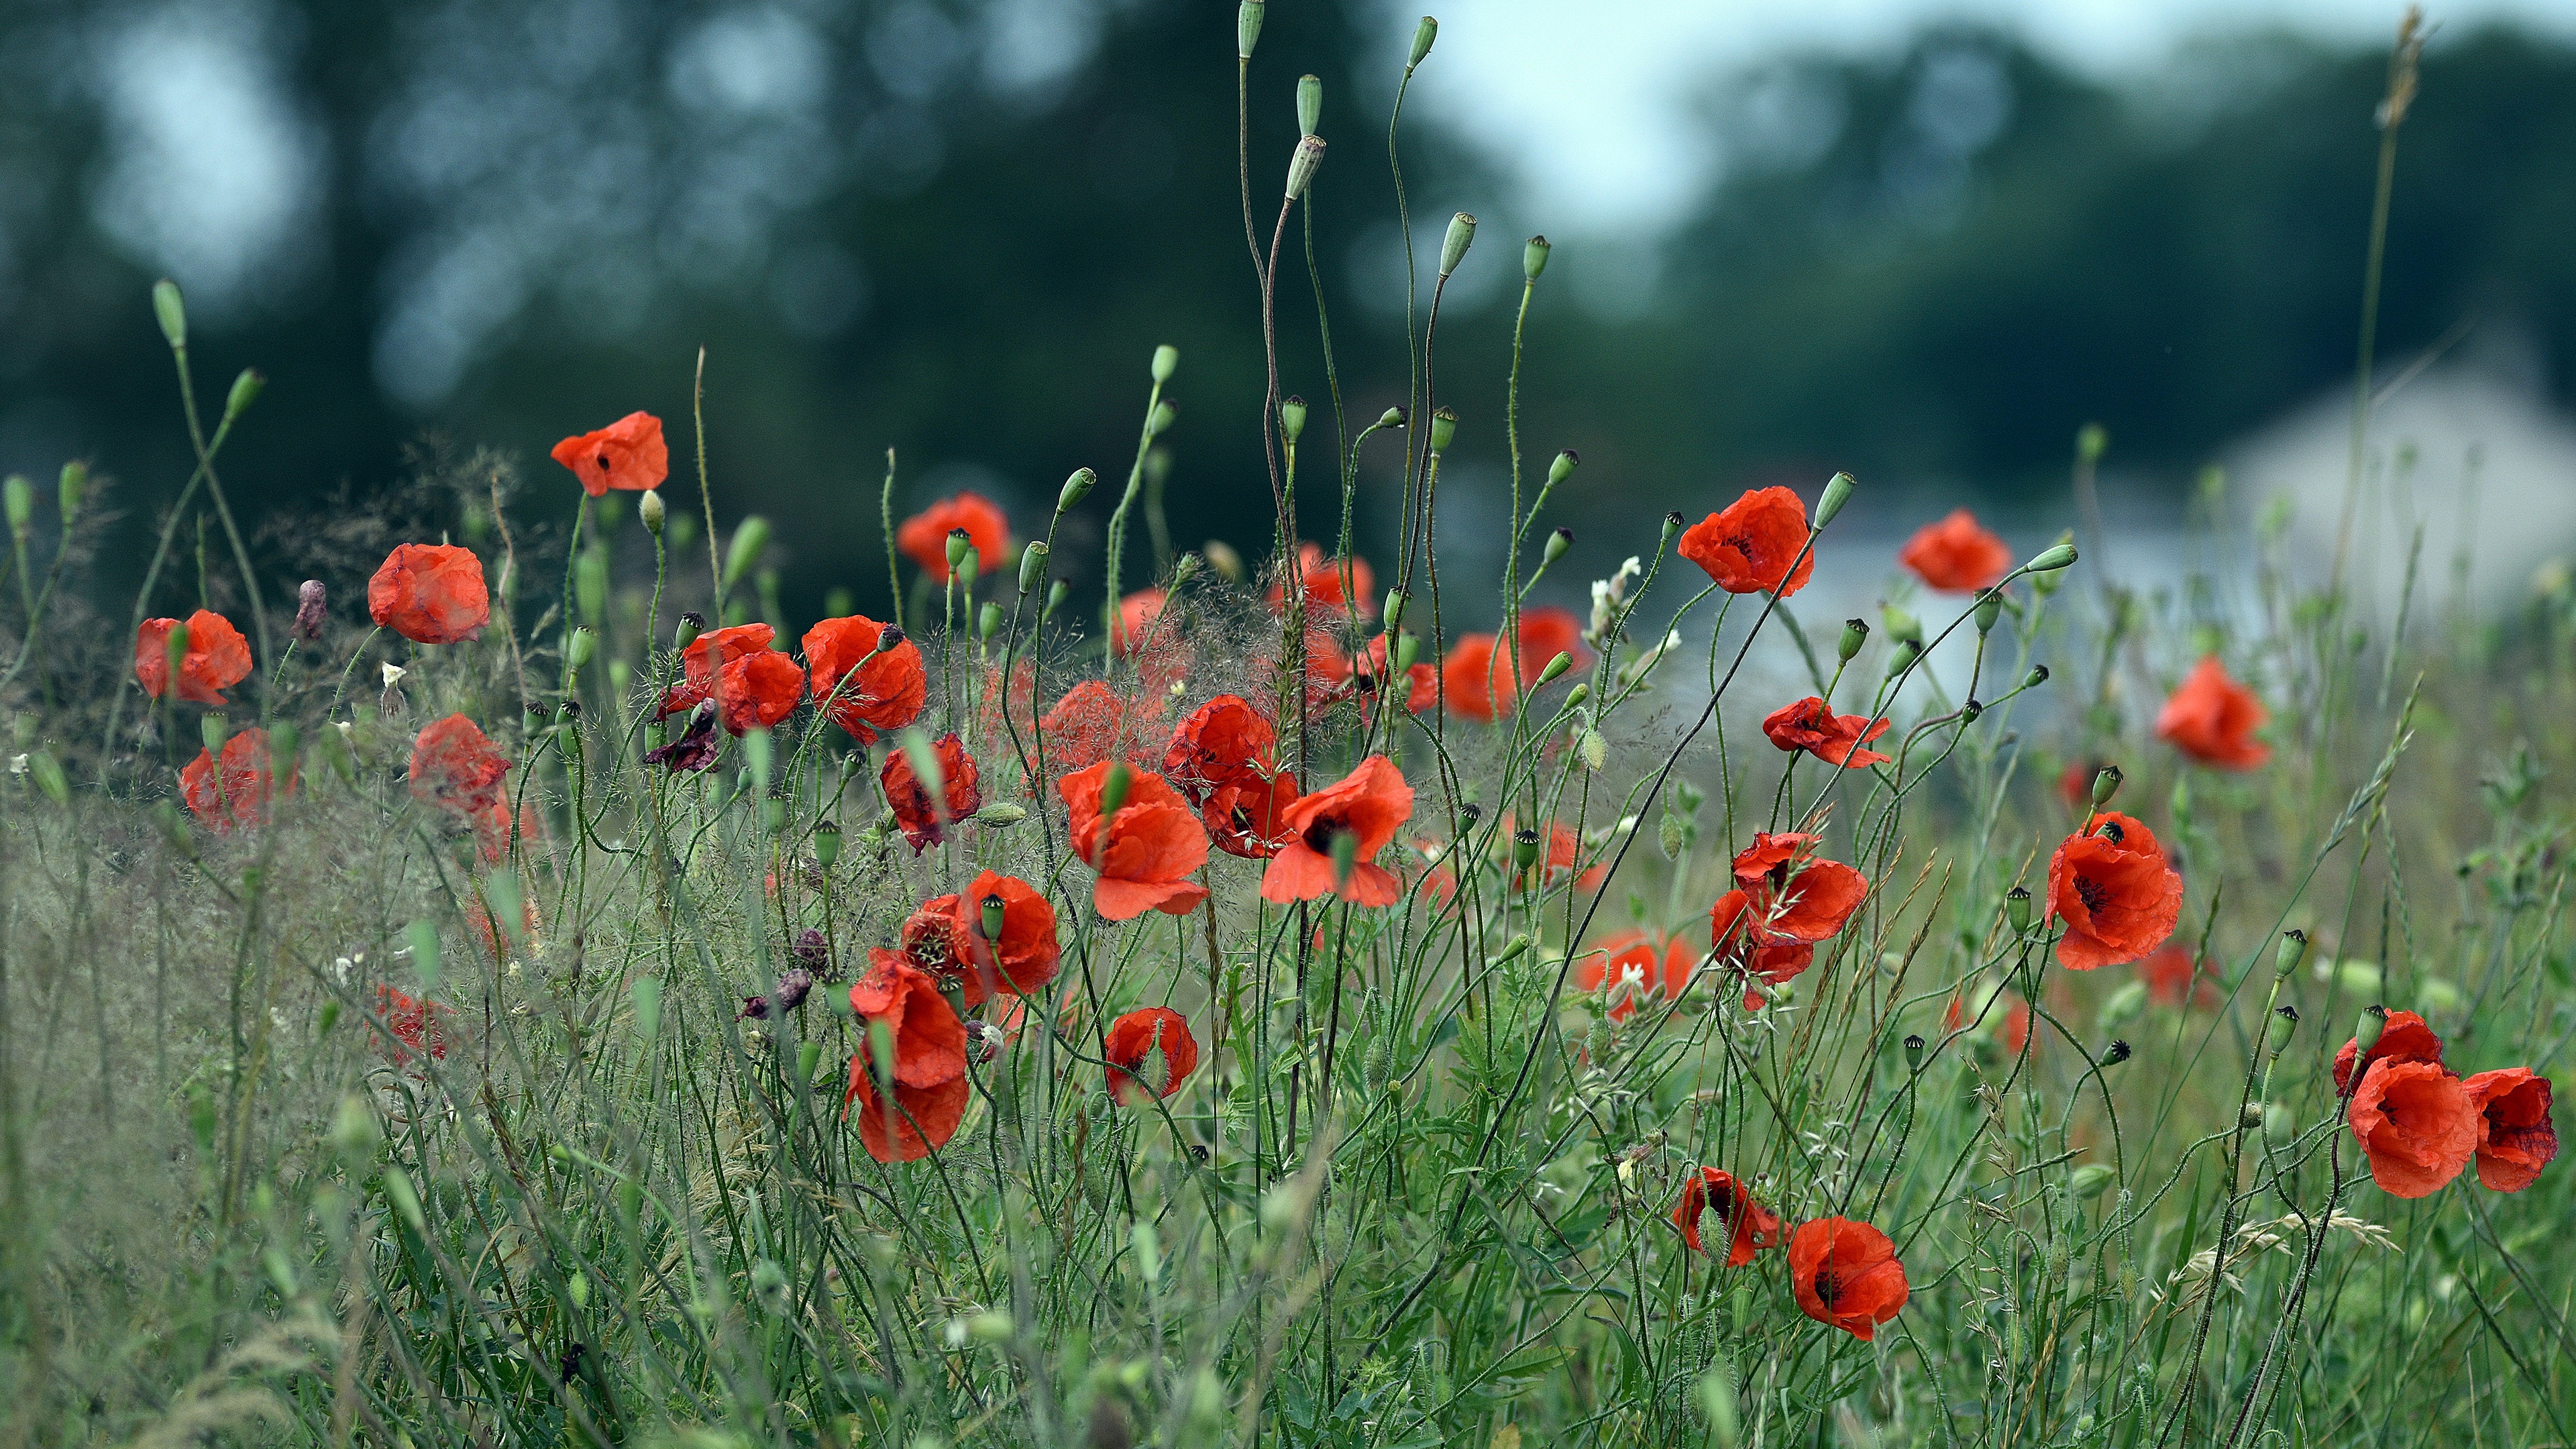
(2402, 1038)
(217, 659)
(696, 747)
(1836, 739)
(2416, 1122)
(1628, 967)
(2212, 718)
(1748, 1224)
(2174, 979)
(1022, 960)
(889, 684)
(628, 454)
(1738, 938)
(456, 769)
(1846, 1275)
(1794, 892)
(2012, 1033)
(2516, 1138)
(1092, 725)
(418, 1026)
(1133, 629)
(1955, 554)
(1754, 544)
(430, 593)
(922, 822)
(1145, 853)
(1223, 760)
(1476, 679)
(1138, 1035)
(1322, 580)
(924, 536)
(1369, 804)
(1421, 683)
(2113, 889)
(929, 1066)
(232, 791)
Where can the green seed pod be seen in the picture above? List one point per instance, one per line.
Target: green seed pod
(1903, 659)
(1524, 848)
(1033, 565)
(2091, 1180)
(1392, 418)
(1990, 608)
(2283, 1026)
(2055, 557)
(1533, 258)
(749, 537)
(284, 740)
(988, 621)
(1310, 103)
(245, 391)
(1408, 648)
(579, 648)
(827, 844)
(651, 510)
(18, 501)
(1423, 34)
(1575, 697)
(1164, 415)
(1855, 634)
(171, 312)
(1444, 428)
(1563, 466)
(686, 632)
(1247, 27)
(214, 729)
(1292, 417)
(1303, 163)
(2047, 582)
(74, 484)
(2117, 1053)
(2365, 1032)
(1672, 528)
(1838, 491)
(1557, 543)
(1167, 360)
(2038, 676)
(2279, 1126)
(1056, 595)
(1914, 1052)
(2287, 955)
(47, 772)
(1394, 612)
(2106, 783)
(1453, 246)
(960, 543)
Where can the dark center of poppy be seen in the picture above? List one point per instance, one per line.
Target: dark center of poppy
(1829, 1286)
(1319, 836)
(1741, 543)
(603, 464)
(1722, 1204)
(2091, 892)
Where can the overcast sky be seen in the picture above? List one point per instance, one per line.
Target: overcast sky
(1590, 96)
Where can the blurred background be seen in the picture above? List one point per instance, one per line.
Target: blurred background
(1920, 242)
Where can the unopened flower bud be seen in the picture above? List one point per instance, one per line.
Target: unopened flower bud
(579, 646)
(1057, 593)
(988, 622)
(2278, 1125)
(1247, 27)
(1167, 360)
(2118, 1053)
(2283, 1026)
(1292, 417)
(1838, 491)
(309, 610)
(2017, 910)
(2053, 558)
(2090, 442)
(1303, 163)
(1990, 607)
(1901, 625)
(686, 632)
(1855, 634)
(827, 844)
(1310, 103)
(2091, 1180)
(1000, 812)
(1408, 648)
(1453, 246)
(1423, 34)
(2106, 783)
(1033, 562)
(1556, 667)
(1392, 418)
(1562, 467)
(1903, 659)
(1444, 427)
(652, 511)
(1557, 543)
(170, 312)
(2287, 955)
(1396, 599)
(1533, 258)
(1076, 488)
(1166, 413)
(1575, 697)
(18, 500)
(2047, 582)
(73, 485)
(245, 391)
(2038, 676)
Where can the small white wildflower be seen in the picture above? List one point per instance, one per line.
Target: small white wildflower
(17, 764)
(393, 676)
(341, 969)
(1609, 595)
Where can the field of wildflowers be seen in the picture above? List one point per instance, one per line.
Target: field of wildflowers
(563, 1004)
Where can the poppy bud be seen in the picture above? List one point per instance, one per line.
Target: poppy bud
(1113, 790)
(1914, 1051)
(2284, 1025)
(2365, 1033)
(889, 639)
(1392, 418)
(2118, 1053)
(651, 510)
(1838, 491)
(960, 544)
(2091, 1179)
(1903, 660)
(1575, 697)
(988, 622)
(48, 773)
(1000, 813)
(1056, 594)
(2090, 441)
(1524, 848)
(1408, 648)
(18, 498)
(214, 729)
(245, 391)
(1292, 417)
(1557, 543)
(1247, 27)
(686, 632)
(827, 844)
(1033, 559)
(1394, 612)
(2287, 955)
(2056, 557)
(74, 483)
(1533, 258)
(1672, 525)
(2123, 1007)
(171, 312)
(1164, 415)
(1855, 634)
(1303, 163)
(1346, 857)
(1167, 360)
(2017, 909)
(1310, 103)
(1423, 34)
(1221, 556)
(1513, 948)
(1453, 246)
(1562, 467)
(579, 646)
(2038, 676)
(2106, 783)
(1444, 427)
(1990, 607)
(1901, 626)
(749, 537)
(2047, 582)
(1555, 668)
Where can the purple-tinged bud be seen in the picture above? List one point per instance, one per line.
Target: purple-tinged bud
(309, 610)
(792, 989)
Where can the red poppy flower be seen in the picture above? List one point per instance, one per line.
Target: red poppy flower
(1139, 1034)
(457, 770)
(2012, 1034)
(1955, 554)
(2417, 1125)
(1476, 678)
(1846, 1275)
(1748, 1224)
(1796, 893)
(1322, 580)
(758, 690)
(1737, 936)
(430, 593)
(929, 1066)
(628, 454)
(1754, 544)
(233, 790)
(1223, 760)
(1836, 739)
(702, 664)
(1439, 883)
(1027, 954)
(1369, 804)
(1422, 682)
(1628, 967)
(2516, 1138)
(1133, 629)
(419, 1026)
(2113, 889)
(924, 536)
(1546, 632)
(2174, 979)
(889, 686)
(2212, 718)
(2402, 1038)
(1092, 724)
(1145, 854)
(914, 810)
(217, 659)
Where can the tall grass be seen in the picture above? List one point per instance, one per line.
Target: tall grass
(365, 1122)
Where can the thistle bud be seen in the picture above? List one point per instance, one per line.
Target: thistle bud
(2283, 1026)
(1423, 34)
(1914, 1052)
(2106, 783)
(989, 915)
(1292, 417)
(1166, 413)
(171, 312)
(960, 544)
(1310, 103)
(246, 390)
(2116, 1054)
(1855, 634)
(988, 622)
(2123, 1006)
(1533, 258)
(2365, 1033)
(1453, 246)
(1033, 562)
(1556, 668)
(2038, 676)
(1346, 857)
(827, 844)
(749, 537)
(74, 484)
(1303, 163)
(1392, 418)
(1396, 599)
(1901, 625)
(1557, 543)
(1247, 27)
(651, 510)
(1524, 848)
(1167, 360)
(1113, 790)
(1562, 467)
(2017, 910)
(18, 499)
(2053, 558)
(2287, 955)
(686, 632)
(1990, 608)
(1444, 428)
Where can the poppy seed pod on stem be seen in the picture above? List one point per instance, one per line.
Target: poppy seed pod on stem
(1303, 163)
(1990, 608)
(2116, 1054)
(1292, 417)
(75, 483)
(1423, 34)
(827, 844)
(1906, 653)
(170, 312)
(1914, 1052)
(1310, 103)
(1392, 418)
(1033, 562)
(2284, 1025)
(2365, 1033)
(988, 622)
(1557, 543)
(1855, 634)
(1563, 466)
(1408, 650)
(960, 544)
(1453, 246)
(2106, 783)
(245, 391)
(2017, 909)
(1167, 360)
(1247, 27)
(1838, 491)
(990, 915)
(1166, 413)
(686, 632)
(1673, 525)
(1524, 848)
(1056, 595)
(1533, 258)
(1444, 428)
(2054, 558)
(2038, 676)
(2287, 955)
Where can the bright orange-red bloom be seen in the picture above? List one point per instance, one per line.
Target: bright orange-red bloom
(1794, 892)
(2515, 1137)
(628, 454)
(924, 823)
(889, 684)
(1134, 629)
(1836, 739)
(1754, 544)
(457, 770)
(2174, 979)
(1322, 579)
(2402, 1038)
(1021, 961)
(758, 690)
(1738, 937)
(1748, 1224)
(2113, 889)
(2416, 1122)
(419, 1026)
(1421, 682)
(1092, 724)
(1476, 679)
(1846, 1275)
(430, 593)
(702, 664)
(1145, 853)
(1955, 554)
(232, 791)
(929, 1067)
(1224, 760)
(2212, 718)
(217, 659)
(1369, 804)
(1632, 965)
(924, 536)
(1137, 1035)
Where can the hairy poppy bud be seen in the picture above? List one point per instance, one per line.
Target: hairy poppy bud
(1303, 163)
(1444, 427)
(1057, 592)
(1076, 488)
(2123, 1006)
(579, 646)
(2118, 1053)
(214, 729)
(1166, 413)
(1000, 812)
(2090, 1180)
(2287, 955)
(1033, 562)
(2106, 783)
(1292, 417)
(1990, 608)
(1167, 360)
(171, 312)
(1524, 848)
(2047, 581)
(1453, 246)
(1247, 27)
(686, 632)
(1408, 648)
(749, 537)
(309, 610)
(1838, 491)
(2278, 1125)
(1855, 634)
(1113, 790)
(1533, 258)
(1396, 599)
(18, 499)
(827, 844)
(1310, 103)
(1901, 625)
(1557, 543)
(988, 622)
(651, 510)
(2017, 909)
(1563, 466)
(1575, 697)
(1423, 34)
(2365, 1033)
(1914, 1051)
(245, 391)
(2283, 1026)
(2055, 557)
(2038, 676)
(1556, 668)
(73, 485)
(1513, 949)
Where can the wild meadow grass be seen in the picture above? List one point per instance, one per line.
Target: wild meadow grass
(563, 1004)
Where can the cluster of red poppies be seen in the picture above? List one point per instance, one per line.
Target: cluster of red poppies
(2421, 1124)
(1844, 1273)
